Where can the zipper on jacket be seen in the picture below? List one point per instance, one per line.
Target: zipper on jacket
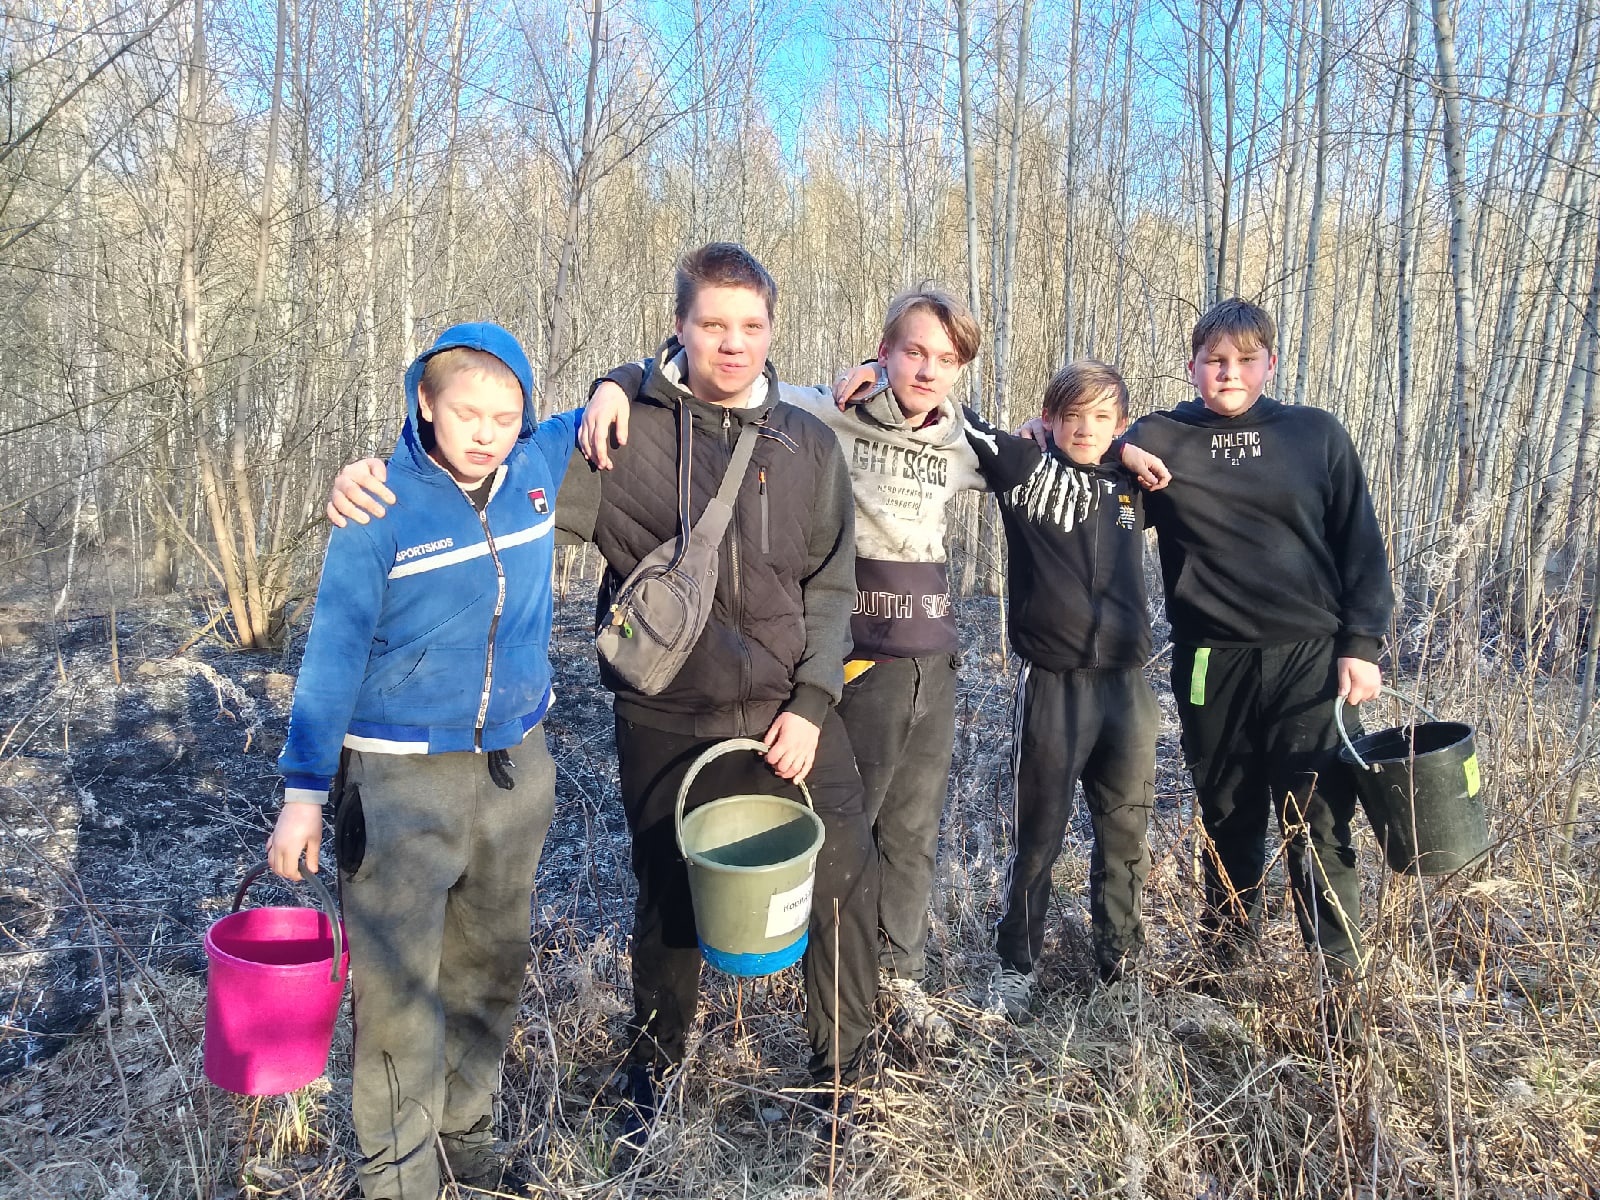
(761, 474)
(1096, 589)
(494, 625)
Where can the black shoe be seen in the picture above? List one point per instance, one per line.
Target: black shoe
(475, 1165)
(637, 1087)
(1339, 1020)
(506, 1181)
(827, 1113)
(830, 1117)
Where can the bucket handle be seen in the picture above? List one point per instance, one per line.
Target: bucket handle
(1338, 719)
(710, 755)
(324, 902)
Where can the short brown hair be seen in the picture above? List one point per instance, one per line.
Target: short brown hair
(721, 264)
(959, 323)
(442, 368)
(1247, 325)
(1082, 383)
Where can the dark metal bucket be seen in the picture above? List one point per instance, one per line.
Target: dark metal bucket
(1419, 785)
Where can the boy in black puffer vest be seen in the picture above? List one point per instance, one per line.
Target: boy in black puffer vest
(769, 663)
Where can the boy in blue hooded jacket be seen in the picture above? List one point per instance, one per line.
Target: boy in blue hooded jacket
(428, 662)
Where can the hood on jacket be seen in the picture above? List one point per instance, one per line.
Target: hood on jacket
(666, 382)
(880, 408)
(475, 335)
(1194, 412)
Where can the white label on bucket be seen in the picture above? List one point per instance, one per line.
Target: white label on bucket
(787, 911)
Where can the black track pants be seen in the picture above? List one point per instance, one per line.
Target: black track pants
(1259, 736)
(666, 950)
(1100, 727)
(901, 716)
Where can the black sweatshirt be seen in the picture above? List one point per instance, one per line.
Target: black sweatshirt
(1267, 533)
(1076, 554)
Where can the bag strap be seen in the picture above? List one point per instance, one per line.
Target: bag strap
(732, 479)
(737, 465)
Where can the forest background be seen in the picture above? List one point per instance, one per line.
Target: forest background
(226, 226)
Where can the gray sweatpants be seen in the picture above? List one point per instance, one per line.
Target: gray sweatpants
(438, 919)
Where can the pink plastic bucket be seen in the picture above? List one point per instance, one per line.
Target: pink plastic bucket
(272, 993)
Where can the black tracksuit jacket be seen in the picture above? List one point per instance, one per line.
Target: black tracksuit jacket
(1076, 554)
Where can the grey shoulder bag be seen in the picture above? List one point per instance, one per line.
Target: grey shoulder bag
(659, 610)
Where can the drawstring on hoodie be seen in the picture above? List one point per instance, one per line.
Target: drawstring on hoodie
(499, 761)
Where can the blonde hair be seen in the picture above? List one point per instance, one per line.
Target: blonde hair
(959, 323)
(445, 367)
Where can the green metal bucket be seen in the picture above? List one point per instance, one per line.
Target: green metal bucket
(752, 864)
(1419, 785)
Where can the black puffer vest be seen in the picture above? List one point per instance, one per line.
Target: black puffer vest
(742, 670)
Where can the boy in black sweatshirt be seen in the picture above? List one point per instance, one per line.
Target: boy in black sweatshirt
(1277, 586)
(1084, 710)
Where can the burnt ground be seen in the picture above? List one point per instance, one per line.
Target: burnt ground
(131, 809)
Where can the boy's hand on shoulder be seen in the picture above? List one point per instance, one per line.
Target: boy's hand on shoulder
(1035, 428)
(357, 491)
(1359, 680)
(792, 746)
(298, 831)
(1145, 467)
(854, 385)
(604, 417)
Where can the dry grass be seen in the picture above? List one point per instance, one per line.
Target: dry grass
(1480, 1076)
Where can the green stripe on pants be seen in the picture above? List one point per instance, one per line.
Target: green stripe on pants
(1197, 677)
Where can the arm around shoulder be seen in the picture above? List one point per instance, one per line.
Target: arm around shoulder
(1004, 459)
(580, 494)
(358, 493)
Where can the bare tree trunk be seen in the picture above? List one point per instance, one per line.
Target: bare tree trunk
(1465, 385)
(1505, 368)
(193, 376)
(1069, 240)
(969, 170)
(1553, 513)
(1203, 117)
(1004, 316)
(579, 168)
(1230, 105)
(1292, 155)
(452, 182)
(239, 420)
(1405, 271)
(1124, 123)
(1250, 157)
(1308, 283)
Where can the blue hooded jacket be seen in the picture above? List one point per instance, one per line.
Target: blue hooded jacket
(432, 626)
